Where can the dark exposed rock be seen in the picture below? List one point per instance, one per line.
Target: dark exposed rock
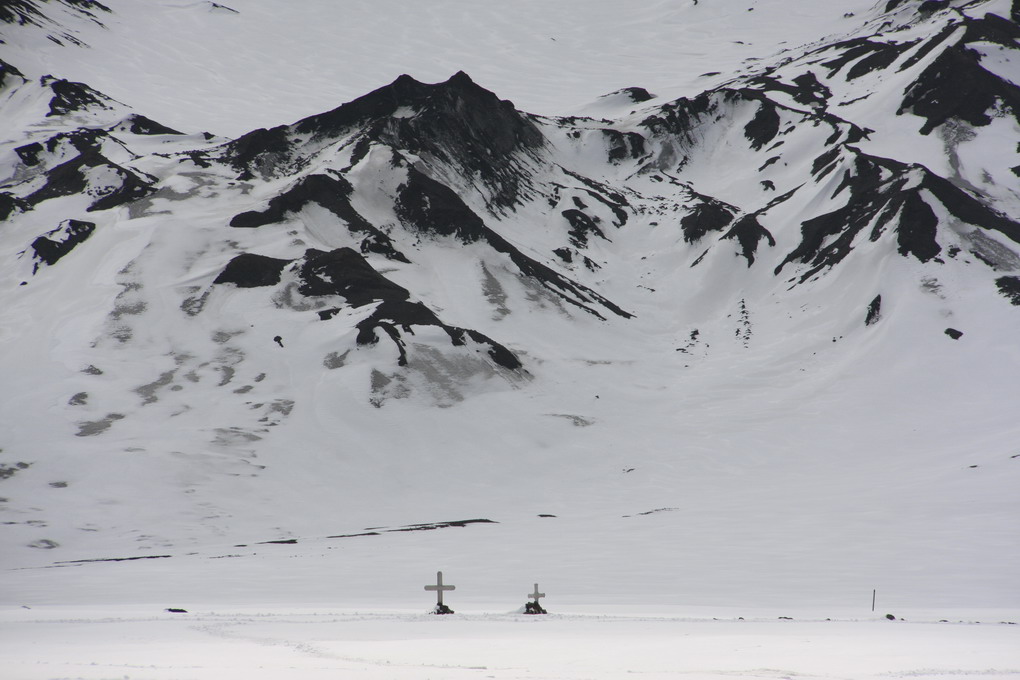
(764, 127)
(605, 195)
(1009, 286)
(9, 75)
(71, 178)
(866, 56)
(140, 125)
(116, 559)
(805, 89)
(8, 471)
(332, 193)
(432, 207)
(394, 316)
(69, 97)
(874, 311)
(636, 94)
(885, 192)
(19, 12)
(826, 162)
(581, 227)
(260, 151)
(249, 270)
(749, 233)
(344, 272)
(953, 333)
(678, 118)
(9, 204)
(568, 290)
(707, 216)
(969, 209)
(931, 6)
(955, 85)
(23, 12)
(82, 140)
(62, 240)
(917, 228)
(30, 153)
(624, 145)
(455, 122)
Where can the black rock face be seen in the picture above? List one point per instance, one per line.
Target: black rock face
(9, 204)
(805, 88)
(874, 311)
(867, 56)
(71, 178)
(328, 192)
(917, 228)
(344, 272)
(1009, 286)
(62, 240)
(969, 209)
(395, 317)
(884, 192)
(455, 122)
(30, 153)
(677, 119)
(581, 227)
(140, 125)
(708, 216)
(623, 145)
(69, 97)
(29, 12)
(9, 76)
(331, 192)
(749, 233)
(956, 86)
(249, 270)
(431, 207)
(764, 127)
(639, 94)
(19, 12)
(259, 152)
(82, 140)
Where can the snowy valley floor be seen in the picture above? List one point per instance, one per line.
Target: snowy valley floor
(626, 600)
(139, 641)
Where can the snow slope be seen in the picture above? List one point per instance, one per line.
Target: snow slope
(736, 344)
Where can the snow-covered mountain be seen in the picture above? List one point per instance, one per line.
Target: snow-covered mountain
(763, 313)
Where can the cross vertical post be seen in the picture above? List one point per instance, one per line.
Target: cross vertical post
(535, 607)
(440, 587)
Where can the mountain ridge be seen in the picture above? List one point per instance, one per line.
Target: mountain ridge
(432, 276)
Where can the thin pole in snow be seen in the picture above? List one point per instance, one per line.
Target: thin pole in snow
(874, 593)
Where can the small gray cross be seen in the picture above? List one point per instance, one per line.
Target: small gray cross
(439, 587)
(536, 594)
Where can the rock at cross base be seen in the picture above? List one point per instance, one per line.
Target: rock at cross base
(535, 607)
(439, 588)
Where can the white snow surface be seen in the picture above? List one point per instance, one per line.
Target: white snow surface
(725, 511)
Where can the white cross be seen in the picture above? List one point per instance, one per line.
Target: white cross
(439, 587)
(536, 594)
